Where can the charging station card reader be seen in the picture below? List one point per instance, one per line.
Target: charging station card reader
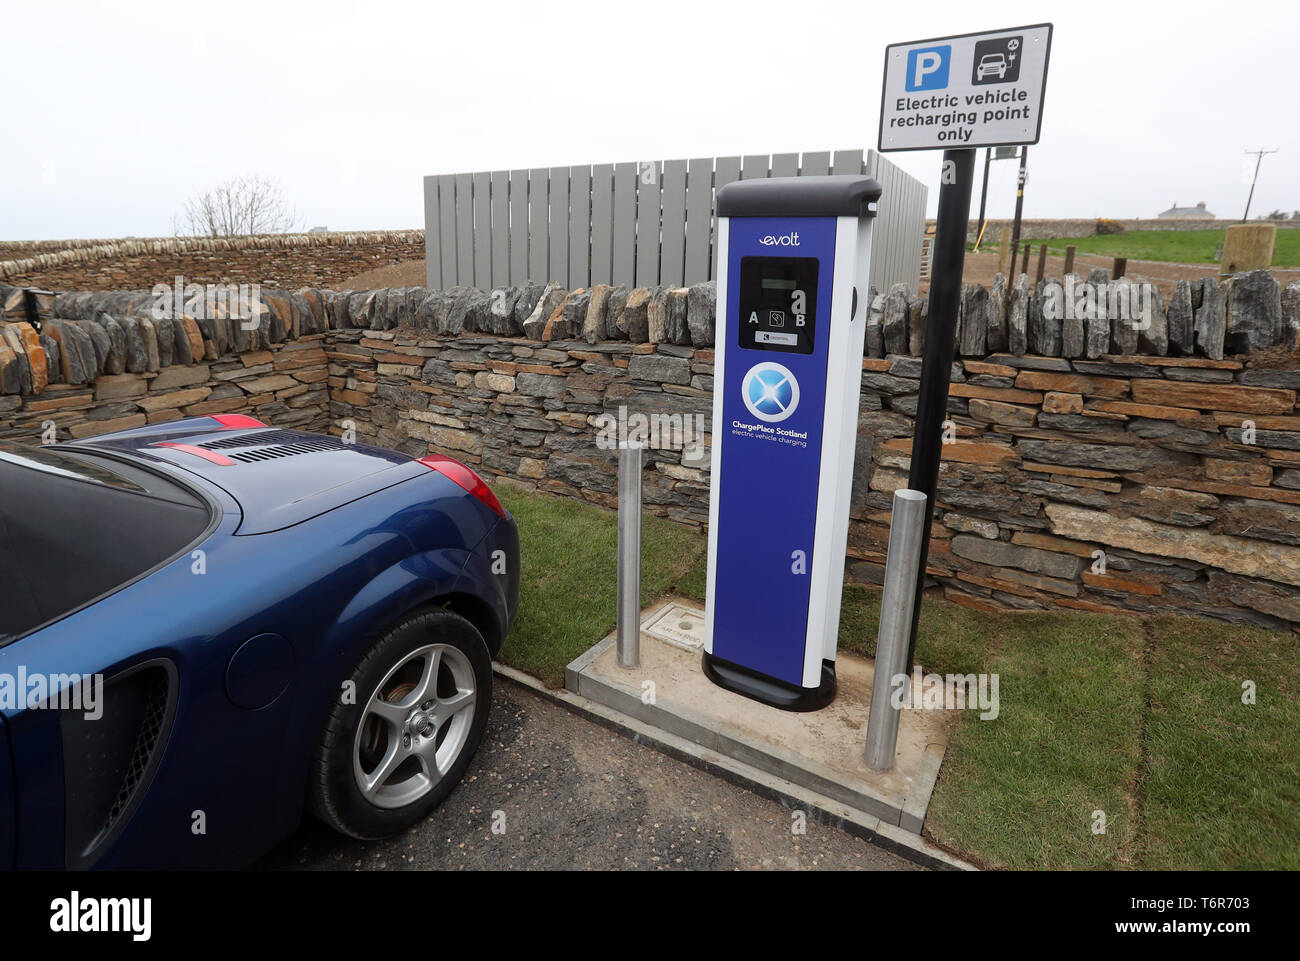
(793, 257)
(778, 299)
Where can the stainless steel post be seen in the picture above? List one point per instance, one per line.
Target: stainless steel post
(628, 630)
(902, 570)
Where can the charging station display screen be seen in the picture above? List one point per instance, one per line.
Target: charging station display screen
(778, 303)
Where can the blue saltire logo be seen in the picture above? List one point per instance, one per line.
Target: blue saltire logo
(770, 392)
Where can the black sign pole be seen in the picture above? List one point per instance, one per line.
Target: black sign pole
(940, 341)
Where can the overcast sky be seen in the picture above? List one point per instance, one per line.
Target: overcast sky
(115, 113)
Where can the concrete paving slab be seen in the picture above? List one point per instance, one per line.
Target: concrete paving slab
(821, 751)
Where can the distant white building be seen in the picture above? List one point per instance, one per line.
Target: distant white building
(1186, 213)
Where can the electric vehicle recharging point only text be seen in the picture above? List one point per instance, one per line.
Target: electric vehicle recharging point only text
(793, 257)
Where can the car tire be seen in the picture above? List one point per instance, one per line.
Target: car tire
(395, 748)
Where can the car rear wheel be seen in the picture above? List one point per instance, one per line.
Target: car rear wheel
(395, 748)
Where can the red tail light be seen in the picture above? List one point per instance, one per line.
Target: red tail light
(466, 478)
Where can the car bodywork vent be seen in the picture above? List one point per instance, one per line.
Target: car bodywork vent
(261, 438)
(108, 761)
(254, 454)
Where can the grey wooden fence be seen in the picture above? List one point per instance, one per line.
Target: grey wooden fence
(639, 224)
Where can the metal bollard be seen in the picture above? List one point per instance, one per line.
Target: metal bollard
(628, 630)
(906, 529)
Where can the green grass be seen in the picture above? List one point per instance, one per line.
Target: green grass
(1139, 718)
(950, 636)
(568, 586)
(1020, 791)
(1222, 785)
(1176, 246)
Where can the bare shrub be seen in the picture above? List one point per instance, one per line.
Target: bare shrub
(244, 205)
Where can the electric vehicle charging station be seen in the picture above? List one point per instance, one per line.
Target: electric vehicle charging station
(793, 255)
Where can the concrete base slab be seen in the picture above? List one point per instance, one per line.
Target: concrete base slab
(821, 751)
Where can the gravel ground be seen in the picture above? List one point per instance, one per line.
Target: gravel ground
(409, 273)
(575, 795)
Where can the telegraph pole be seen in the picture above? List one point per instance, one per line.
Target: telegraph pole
(1020, 206)
(984, 193)
(1259, 155)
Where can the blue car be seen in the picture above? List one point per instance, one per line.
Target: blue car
(210, 626)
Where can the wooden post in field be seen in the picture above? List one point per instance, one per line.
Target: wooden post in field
(1005, 252)
(1042, 263)
(1069, 260)
(1024, 264)
(1248, 247)
(1117, 270)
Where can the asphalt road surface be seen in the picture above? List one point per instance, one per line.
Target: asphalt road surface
(565, 793)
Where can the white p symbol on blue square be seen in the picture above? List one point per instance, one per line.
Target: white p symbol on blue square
(927, 67)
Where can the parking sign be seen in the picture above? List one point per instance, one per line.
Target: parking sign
(927, 68)
(974, 90)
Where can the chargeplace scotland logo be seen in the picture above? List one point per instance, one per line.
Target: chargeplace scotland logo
(770, 392)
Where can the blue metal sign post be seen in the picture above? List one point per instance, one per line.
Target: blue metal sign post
(792, 299)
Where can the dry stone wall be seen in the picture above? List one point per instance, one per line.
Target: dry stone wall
(1131, 487)
(1079, 479)
(284, 386)
(279, 260)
